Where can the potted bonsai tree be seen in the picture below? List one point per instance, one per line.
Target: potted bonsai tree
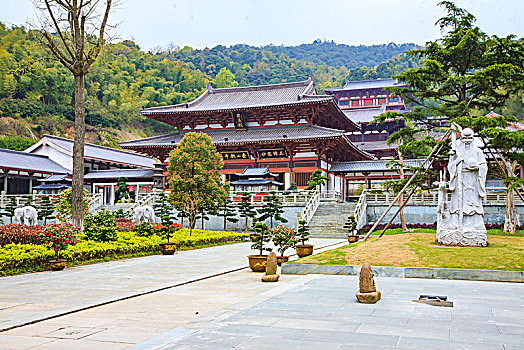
(168, 248)
(283, 238)
(351, 226)
(259, 238)
(58, 237)
(303, 236)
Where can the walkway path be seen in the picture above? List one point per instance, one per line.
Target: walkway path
(31, 297)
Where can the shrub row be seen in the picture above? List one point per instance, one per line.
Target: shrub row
(19, 258)
(19, 234)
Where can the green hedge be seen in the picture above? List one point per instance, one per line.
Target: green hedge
(21, 258)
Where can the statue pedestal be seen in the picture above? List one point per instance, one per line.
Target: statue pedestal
(463, 237)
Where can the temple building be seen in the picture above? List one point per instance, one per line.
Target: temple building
(361, 101)
(287, 128)
(256, 180)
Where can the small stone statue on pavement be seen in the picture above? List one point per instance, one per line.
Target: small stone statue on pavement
(368, 293)
(271, 269)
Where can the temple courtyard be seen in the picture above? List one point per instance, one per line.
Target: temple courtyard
(208, 299)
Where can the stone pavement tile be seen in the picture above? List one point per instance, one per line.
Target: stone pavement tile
(513, 347)
(79, 318)
(405, 330)
(121, 335)
(254, 320)
(20, 342)
(211, 340)
(305, 313)
(68, 344)
(270, 342)
(32, 329)
(258, 331)
(72, 332)
(350, 338)
(475, 337)
(512, 339)
(435, 344)
(316, 324)
(517, 329)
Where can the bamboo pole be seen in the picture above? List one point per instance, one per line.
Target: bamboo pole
(407, 185)
(397, 212)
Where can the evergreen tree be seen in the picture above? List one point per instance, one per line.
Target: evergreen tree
(122, 190)
(260, 237)
(303, 231)
(47, 209)
(163, 209)
(272, 209)
(228, 212)
(351, 225)
(10, 207)
(246, 209)
(316, 179)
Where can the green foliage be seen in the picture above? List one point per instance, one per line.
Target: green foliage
(228, 211)
(272, 209)
(16, 143)
(316, 179)
(225, 79)
(122, 190)
(163, 209)
(260, 237)
(63, 205)
(100, 227)
(283, 238)
(303, 231)
(193, 175)
(46, 209)
(351, 225)
(20, 258)
(246, 209)
(9, 210)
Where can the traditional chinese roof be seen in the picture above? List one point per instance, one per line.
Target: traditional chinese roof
(370, 146)
(367, 84)
(255, 172)
(16, 160)
(94, 152)
(216, 105)
(230, 137)
(364, 115)
(117, 173)
(56, 178)
(301, 92)
(371, 166)
(51, 187)
(255, 182)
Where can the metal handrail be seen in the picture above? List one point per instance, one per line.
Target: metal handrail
(148, 199)
(360, 210)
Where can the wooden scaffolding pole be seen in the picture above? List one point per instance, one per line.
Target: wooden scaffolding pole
(433, 152)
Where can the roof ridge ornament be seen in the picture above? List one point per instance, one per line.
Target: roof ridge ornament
(209, 86)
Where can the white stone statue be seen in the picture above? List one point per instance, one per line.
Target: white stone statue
(26, 215)
(460, 220)
(144, 213)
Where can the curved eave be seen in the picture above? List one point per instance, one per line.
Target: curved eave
(365, 155)
(34, 170)
(182, 111)
(239, 143)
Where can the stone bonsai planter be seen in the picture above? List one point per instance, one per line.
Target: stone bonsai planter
(58, 265)
(304, 250)
(353, 238)
(257, 263)
(168, 248)
(282, 259)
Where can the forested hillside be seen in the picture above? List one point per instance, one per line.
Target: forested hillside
(36, 93)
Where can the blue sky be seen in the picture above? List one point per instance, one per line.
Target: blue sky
(206, 23)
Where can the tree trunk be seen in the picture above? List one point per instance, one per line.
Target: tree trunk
(401, 198)
(509, 226)
(192, 222)
(77, 208)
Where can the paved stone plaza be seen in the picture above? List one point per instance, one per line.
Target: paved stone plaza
(236, 310)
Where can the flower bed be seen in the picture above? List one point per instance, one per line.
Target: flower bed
(20, 258)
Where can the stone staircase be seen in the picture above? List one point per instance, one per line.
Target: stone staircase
(329, 219)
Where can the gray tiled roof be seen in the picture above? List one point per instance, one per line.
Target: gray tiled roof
(371, 146)
(29, 162)
(370, 165)
(367, 84)
(364, 115)
(104, 153)
(253, 135)
(255, 172)
(246, 97)
(116, 173)
(54, 178)
(51, 187)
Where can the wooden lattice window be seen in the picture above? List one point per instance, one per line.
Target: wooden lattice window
(301, 179)
(237, 166)
(304, 164)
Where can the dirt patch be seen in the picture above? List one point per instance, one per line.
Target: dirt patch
(388, 250)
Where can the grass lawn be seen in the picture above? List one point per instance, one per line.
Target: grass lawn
(419, 249)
